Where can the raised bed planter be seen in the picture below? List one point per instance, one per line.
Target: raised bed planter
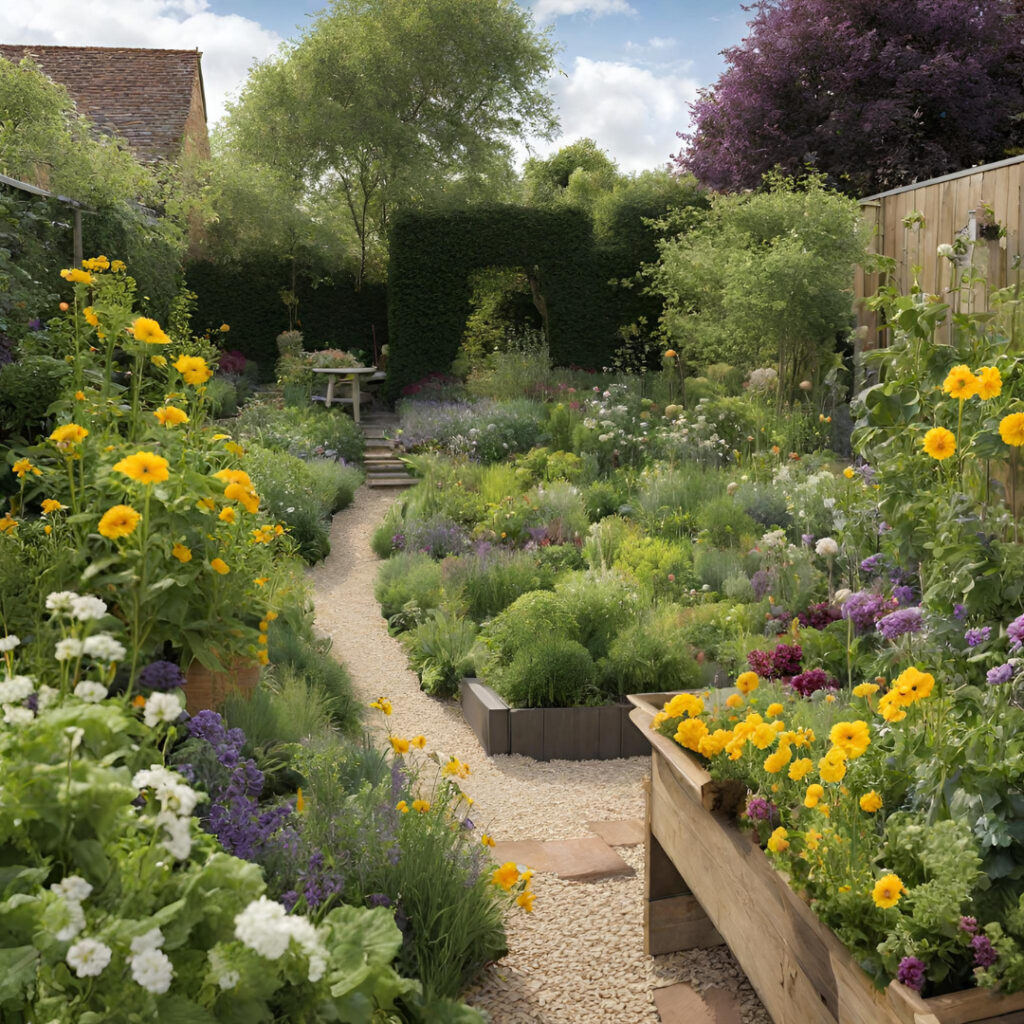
(708, 883)
(548, 734)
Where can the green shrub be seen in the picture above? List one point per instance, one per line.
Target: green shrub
(28, 387)
(600, 604)
(725, 524)
(553, 672)
(485, 583)
(222, 397)
(334, 484)
(439, 651)
(650, 656)
(413, 580)
(663, 568)
(305, 430)
(605, 498)
(604, 540)
(528, 619)
(560, 558)
(669, 500)
(393, 523)
(738, 587)
(561, 509)
(696, 388)
(285, 708)
(713, 566)
(764, 504)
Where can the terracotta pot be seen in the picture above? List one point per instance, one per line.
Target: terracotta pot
(208, 689)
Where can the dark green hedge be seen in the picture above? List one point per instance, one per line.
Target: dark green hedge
(247, 298)
(432, 254)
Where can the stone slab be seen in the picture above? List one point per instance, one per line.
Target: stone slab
(681, 1004)
(576, 860)
(625, 832)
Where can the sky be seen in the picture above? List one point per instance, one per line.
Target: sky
(627, 68)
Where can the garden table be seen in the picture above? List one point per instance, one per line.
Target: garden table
(349, 373)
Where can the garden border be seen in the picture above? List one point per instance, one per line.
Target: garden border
(550, 734)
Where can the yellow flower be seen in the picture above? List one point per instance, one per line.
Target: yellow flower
(870, 802)
(747, 682)
(8, 524)
(23, 466)
(865, 689)
(773, 710)
(714, 743)
(832, 767)
(778, 841)
(421, 806)
(219, 565)
(402, 806)
(813, 795)
(245, 496)
(170, 416)
(453, 766)
(525, 900)
(799, 768)
(763, 736)
(235, 448)
(143, 467)
(193, 369)
(117, 266)
(684, 704)
(182, 553)
(382, 704)
(419, 742)
(51, 505)
(853, 738)
(261, 580)
(887, 891)
(912, 685)
(486, 839)
(224, 328)
(90, 316)
(226, 514)
(149, 332)
(990, 382)
(68, 435)
(690, 732)
(76, 276)
(506, 876)
(734, 700)
(1011, 429)
(939, 443)
(776, 762)
(960, 383)
(849, 473)
(890, 707)
(99, 263)
(399, 745)
(262, 657)
(811, 838)
(160, 361)
(118, 522)
(300, 803)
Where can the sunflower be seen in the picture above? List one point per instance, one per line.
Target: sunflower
(170, 416)
(940, 443)
(960, 383)
(887, 891)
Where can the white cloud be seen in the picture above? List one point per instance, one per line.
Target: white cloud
(229, 42)
(548, 10)
(631, 112)
(661, 42)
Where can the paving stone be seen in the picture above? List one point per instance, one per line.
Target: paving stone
(625, 832)
(577, 860)
(723, 1004)
(680, 1004)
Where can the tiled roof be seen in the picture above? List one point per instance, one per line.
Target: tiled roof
(142, 95)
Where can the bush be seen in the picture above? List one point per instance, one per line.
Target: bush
(526, 621)
(764, 504)
(725, 524)
(600, 604)
(412, 579)
(307, 431)
(485, 583)
(334, 484)
(604, 540)
(650, 656)
(561, 509)
(439, 651)
(713, 566)
(28, 387)
(669, 501)
(663, 568)
(382, 540)
(554, 672)
(605, 498)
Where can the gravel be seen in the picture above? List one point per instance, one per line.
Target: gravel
(579, 956)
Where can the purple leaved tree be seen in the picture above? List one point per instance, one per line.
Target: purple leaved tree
(874, 94)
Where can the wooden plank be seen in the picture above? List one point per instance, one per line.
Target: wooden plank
(973, 1005)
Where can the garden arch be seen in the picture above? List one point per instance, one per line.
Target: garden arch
(432, 254)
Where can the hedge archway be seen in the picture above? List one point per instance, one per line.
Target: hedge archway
(433, 253)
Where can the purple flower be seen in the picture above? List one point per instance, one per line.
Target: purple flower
(35, 324)
(867, 473)
(378, 899)
(807, 539)
(786, 659)
(903, 595)
(1000, 674)
(969, 925)
(162, 676)
(289, 899)
(911, 973)
(398, 542)
(897, 623)
(959, 611)
(1016, 633)
(883, 527)
(760, 662)
(862, 608)
(818, 616)
(984, 954)
(811, 681)
(761, 581)
(872, 564)
(978, 635)
(759, 809)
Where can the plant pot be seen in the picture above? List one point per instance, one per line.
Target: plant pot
(708, 882)
(207, 689)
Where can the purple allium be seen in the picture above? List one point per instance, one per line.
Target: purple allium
(760, 662)
(897, 623)
(811, 681)
(903, 595)
(959, 611)
(984, 954)
(759, 809)
(162, 676)
(32, 702)
(883, 527)
(862, 608)
(978, 635)
(1015, 630)
(911, 973)
(969, 925)
(398, 542)
(818, 616)
(999, 675)
(786, 660)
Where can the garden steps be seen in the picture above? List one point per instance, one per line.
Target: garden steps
(383, 467)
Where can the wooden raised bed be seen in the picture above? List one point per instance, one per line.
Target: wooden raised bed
(549, 734)
(708, 882)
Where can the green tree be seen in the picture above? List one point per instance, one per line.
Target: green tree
(389, 102)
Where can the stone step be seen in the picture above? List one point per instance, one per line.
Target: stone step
(383, 481)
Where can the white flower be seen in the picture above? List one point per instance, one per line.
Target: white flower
(74, 736)
(225, 976)
(842, 594)
(17, 716)
(229, 979)
(170, 789)
(774, 539)
(73, 888)
(8, 643)
(153, 939)
(90, 692)
(75, 922)
(60, 601)
(88, 608)
(153, 970)
(104, 647)
(47, 695)
(161, 707)
(15, 689)
(68, 648)
(177, 839)
(946, 250)
(317, 967)
(826, 547)
(88, 957)
(261, 927)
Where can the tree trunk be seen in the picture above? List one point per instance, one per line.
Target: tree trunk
(541, 303)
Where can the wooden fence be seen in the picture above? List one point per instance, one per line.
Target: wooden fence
(952, 206)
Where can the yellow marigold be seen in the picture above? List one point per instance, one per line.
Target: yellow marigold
(193, 369)
(8, 524)
(245, 496)
(144, 468)
(419, 742)
(118, 266)
(714, 743)
(525, 900)
(813, 795)
(960, 383)
(734, 700)
(97, 263)
(747, 682)
(453, 766)
(773, 710)
(670, 353)
(220, 566)
(224, 328)
(52, 505)
(849, 472)
(799, 768)
(659, 717)
(76, 276)
(887, 891)
(90, 316)
(912, 685)
(382, 704)
(23, 466)
(871, 802)
(149, 332)
(853, 738)
(832, 767)
(778, 841)
(690, 732)
(486, 840)
(170, 416)
(160, 361)
(235, 448)
(891, 708)
(1011, 429)
(990, 382)
(261, 580)
(763, 736)
(399, 745)
(865, 689)
(421, 806)
(68, 435)
(402, 807)
(182, 553)
(777, 761)
(118, 522)
(262, 657)
(684, 704)
(939, 443)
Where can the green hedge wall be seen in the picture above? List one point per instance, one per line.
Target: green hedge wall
(246, 297)
(432, 254)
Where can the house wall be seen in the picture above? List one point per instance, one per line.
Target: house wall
(196, 136)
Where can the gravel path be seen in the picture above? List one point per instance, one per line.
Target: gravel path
(579, 956)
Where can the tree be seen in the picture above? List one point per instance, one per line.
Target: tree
(389, 102)
(874, 94)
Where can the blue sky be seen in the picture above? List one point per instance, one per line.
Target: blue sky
(629, 67)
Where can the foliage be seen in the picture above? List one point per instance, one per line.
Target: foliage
(488, 580)
(410, 584)
(554, 672)
(307, 432)
(871, 95)
(439, 651)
